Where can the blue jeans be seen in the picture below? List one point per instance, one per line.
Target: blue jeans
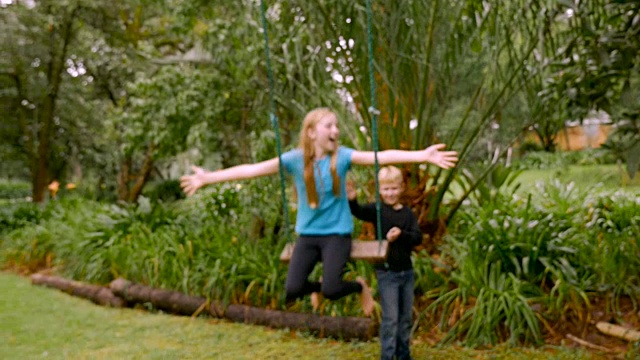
(396, 299)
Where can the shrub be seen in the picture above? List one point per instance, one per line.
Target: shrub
(16, 214)
(166, 191)
(14, 189)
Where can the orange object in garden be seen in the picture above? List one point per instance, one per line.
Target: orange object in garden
(53, 188)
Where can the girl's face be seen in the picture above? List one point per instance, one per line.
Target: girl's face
(325, 135)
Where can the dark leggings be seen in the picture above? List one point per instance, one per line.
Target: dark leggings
(334, 252)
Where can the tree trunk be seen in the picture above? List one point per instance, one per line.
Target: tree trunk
(131, 193)
(123, 178)
(40, 176)
(98, 294)
(143, 175)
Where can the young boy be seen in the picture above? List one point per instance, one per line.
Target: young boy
(395, 276)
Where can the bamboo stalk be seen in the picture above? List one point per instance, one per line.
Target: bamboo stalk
(618, 331)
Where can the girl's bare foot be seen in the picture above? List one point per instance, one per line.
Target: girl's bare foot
(316, 300)
(366, 298)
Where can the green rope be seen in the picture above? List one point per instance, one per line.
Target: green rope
(374, 117)
(372, 109)
(274, 122)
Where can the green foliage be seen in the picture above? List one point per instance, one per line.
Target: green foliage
(426, 279)
(600, 54)
(17, 214)
(163, 109)
(492, 182)
(211, 245)
(14, 189)
(530, 146)
(624, 144)
(166, 191)
(556, 251)
(563, 159)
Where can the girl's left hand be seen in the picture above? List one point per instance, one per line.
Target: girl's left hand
(443, 159)
(191, 183)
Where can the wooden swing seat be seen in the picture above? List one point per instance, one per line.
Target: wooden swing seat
(373, 251)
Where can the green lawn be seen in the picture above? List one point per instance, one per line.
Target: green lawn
(42, 323)
(604, 177)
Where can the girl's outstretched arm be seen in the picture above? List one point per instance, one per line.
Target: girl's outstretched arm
(201, 177)
(432, 154)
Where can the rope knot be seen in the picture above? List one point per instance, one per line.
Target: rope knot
(374, 111)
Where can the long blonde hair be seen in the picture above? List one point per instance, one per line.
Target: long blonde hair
(308, 153)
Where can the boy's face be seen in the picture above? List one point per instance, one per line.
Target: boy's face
(390, 192)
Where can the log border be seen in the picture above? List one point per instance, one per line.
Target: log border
(122, 293)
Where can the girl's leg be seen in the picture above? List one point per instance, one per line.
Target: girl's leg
(335, 254)
(366, 297)
(316, 298)
(305, 255)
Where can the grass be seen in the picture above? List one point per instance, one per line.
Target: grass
(610, 178)
(44, 323)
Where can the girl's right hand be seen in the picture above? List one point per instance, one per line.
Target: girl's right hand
(191, 183)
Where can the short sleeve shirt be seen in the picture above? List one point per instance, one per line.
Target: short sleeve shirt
(332, 216)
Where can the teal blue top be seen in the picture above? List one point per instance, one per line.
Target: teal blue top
(332, 216)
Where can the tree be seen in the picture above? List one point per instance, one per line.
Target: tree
(55, 93)
(599, 42)
(36, 93)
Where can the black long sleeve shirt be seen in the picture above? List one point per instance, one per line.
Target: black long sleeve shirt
(399, 252)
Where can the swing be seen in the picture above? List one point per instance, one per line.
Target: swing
(371, 251)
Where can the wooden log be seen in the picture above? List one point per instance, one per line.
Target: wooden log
(97, 294)
(618, 331)
(347, 328)
(166, 300)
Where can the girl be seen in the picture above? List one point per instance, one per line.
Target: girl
(324, 221)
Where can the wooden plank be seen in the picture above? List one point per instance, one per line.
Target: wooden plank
(373, 251)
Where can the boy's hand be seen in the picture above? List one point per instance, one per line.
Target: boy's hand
(351, 190)
(191, 183)
(393, 234)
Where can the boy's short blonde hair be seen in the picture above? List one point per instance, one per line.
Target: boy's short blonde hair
(390, 174)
